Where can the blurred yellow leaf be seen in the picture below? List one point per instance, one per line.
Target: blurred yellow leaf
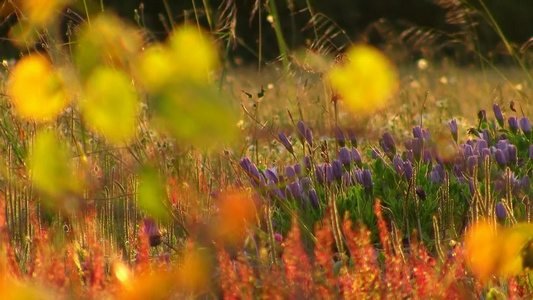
(365, 79)
(111, 106)
(497, 252)
(108, 41)
(236, 213)
(51, 170)
(152, 193)
(156, 68)
(42, 12)
(36, 89)
(194, 52)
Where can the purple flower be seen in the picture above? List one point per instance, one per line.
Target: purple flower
(471, 188)
(420, 192)
(397, 164)
(336, 166)
(471, 162)
(295, 189)
(359, 176)
(485, 135)
(309, 136)
(513, 123)
(500, 158)
(437, 174)
(367, 179)
(305, 183)
(301, 130)
(353, 139)
(286, 143)
(526, 184)
(498, 114)
(356, 157)
(408, 170)
(290, 173)
(298, 169)
(388, 144)
(481, 144)
(313, 198)
(428, 157)
(525, 125)
(271, 174)
(307, 163)
(417, 132)
(328, 170)
(530, 152)
(513, 159)
(346, 179)
(319, 172)
(453, 128)
(245, 164)
(341, 139)
(345, 156)
(501, 212)
(418, 145)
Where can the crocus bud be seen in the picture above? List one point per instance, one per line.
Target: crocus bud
(313, 198)
(290, 173)
(328, 172)
(245, 164)
(498, 114)
(359, 176)
(301, 130)
(345, 156)
(408, 170)
(309, 136)
(319, 172)
(271, 174)
(337, 168)
(356, 157)
(453, 129)
(482, 115)
(397, 164)
(526, 184)
(420, 192)
(500, 158)
(285, 142)
(471, 162)
(481, 144)
(305, 183)
(417, 132)
(367, 179)
(501, 212)
(353, 139)
(295, 189)
(346, 180)
(525, 125)
(298, 170)
(388, 144)
(307, 163)
(513, 159)
(513, 123)
(530, 152)
(341, 140)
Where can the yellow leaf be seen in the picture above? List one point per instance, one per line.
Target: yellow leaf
(42, 12)
(152, 193)
(365, 80)
(194, 53)
(36, 89)
(51, 171)
(111, 106)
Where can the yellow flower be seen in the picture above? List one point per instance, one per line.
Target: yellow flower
(365, 80)
(36, 89)
(42, 12)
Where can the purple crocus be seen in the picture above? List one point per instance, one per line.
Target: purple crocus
(498, 114)
(356, 157)
(285, 142)
(336, 166)
(319, 172)
(525, 125)
(388, 144)
(313, 198)
(397, 164)
(453, 128)
(501, 212)
(367, 179)
(345, 156)
(309, 136)
(513, 123)
(408, 170)
(341, 139)
(417, 132)
(290, 173)
(301, 130)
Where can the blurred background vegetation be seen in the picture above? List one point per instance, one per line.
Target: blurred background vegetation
(415, 28)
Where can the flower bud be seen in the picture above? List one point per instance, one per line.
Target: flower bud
(498, 114)
(285, 142)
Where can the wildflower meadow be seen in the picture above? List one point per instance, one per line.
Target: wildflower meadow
(138, 164)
